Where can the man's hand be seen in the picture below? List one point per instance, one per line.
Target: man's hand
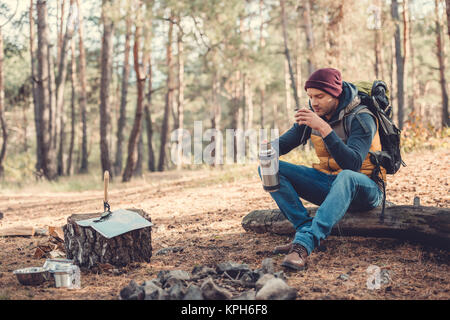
(312, 120)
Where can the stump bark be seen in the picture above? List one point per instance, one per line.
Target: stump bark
(427, 225)
(89, 249)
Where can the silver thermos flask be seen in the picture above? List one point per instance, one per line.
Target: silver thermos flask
(268, 160)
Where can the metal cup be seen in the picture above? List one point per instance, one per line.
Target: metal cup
(269, 164)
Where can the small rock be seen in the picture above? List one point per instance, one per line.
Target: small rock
(132, 292)
(169, 250)
(267, 266)
(276, 289)
(176, 292)
(247, 295)
(233, 269)
(203, 271)
(172, 277)
(249, 278)
(211, 291)
(171, 282)
(153, 292)
(263, 280)
(193, 292)
(280, 275)
(162, 275)
(155, 281)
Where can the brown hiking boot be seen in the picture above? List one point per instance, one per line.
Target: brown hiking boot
(283, 249)
(297, 258)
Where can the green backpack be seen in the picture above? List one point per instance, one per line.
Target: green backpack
(375, 95)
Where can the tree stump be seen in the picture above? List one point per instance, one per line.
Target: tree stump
(88, 248)
(427, 225)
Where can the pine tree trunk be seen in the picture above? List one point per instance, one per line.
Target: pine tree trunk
(180, 98)
(148, 119)
(73, 77)
(406, 54)
(216, 118)
(309, 37)
(392, 75)
(262, 107)
(440, 55)
(169, 99)
(378, 44)
(287, 89)
(261, 47)
(136, 130)
(140, 153)
(288, 67)
(413, 94)
(335, 31)
(400, 65)
(298, 60)
(53, 125)
(123, 100)
(248, 96)
(2, 111)
(105, 81)
(447, 5)
(47, 152)
(25, 124)
(60, 85)
(36, 108)
(60, 19)
(83, 94)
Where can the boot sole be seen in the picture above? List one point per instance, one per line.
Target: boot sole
(280, 251)
(293, 266)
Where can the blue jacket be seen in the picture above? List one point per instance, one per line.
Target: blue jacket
(348, 156)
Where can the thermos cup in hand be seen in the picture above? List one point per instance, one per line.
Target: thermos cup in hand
(268, 160)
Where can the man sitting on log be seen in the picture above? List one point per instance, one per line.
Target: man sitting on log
(341, 180)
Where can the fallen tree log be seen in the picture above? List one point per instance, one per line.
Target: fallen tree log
(89, 249)
(427, 225)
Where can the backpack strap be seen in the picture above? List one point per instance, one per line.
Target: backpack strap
(379, 181)
(355, 113)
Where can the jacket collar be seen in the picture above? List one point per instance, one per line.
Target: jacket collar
(348, 100)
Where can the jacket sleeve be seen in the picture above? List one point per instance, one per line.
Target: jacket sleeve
(351, 155)
(288, 140)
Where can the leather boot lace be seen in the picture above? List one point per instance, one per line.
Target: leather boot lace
(299, 249)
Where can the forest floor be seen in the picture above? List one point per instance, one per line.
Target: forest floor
(202, 212)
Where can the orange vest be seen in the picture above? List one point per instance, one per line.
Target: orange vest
(327, 164)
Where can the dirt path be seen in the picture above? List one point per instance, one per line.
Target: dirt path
(202, 211)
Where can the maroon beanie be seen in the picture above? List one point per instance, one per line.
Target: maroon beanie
(327, 79)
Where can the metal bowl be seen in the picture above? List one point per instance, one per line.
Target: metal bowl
(32, 276)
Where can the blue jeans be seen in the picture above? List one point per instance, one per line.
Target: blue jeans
(335, 194)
